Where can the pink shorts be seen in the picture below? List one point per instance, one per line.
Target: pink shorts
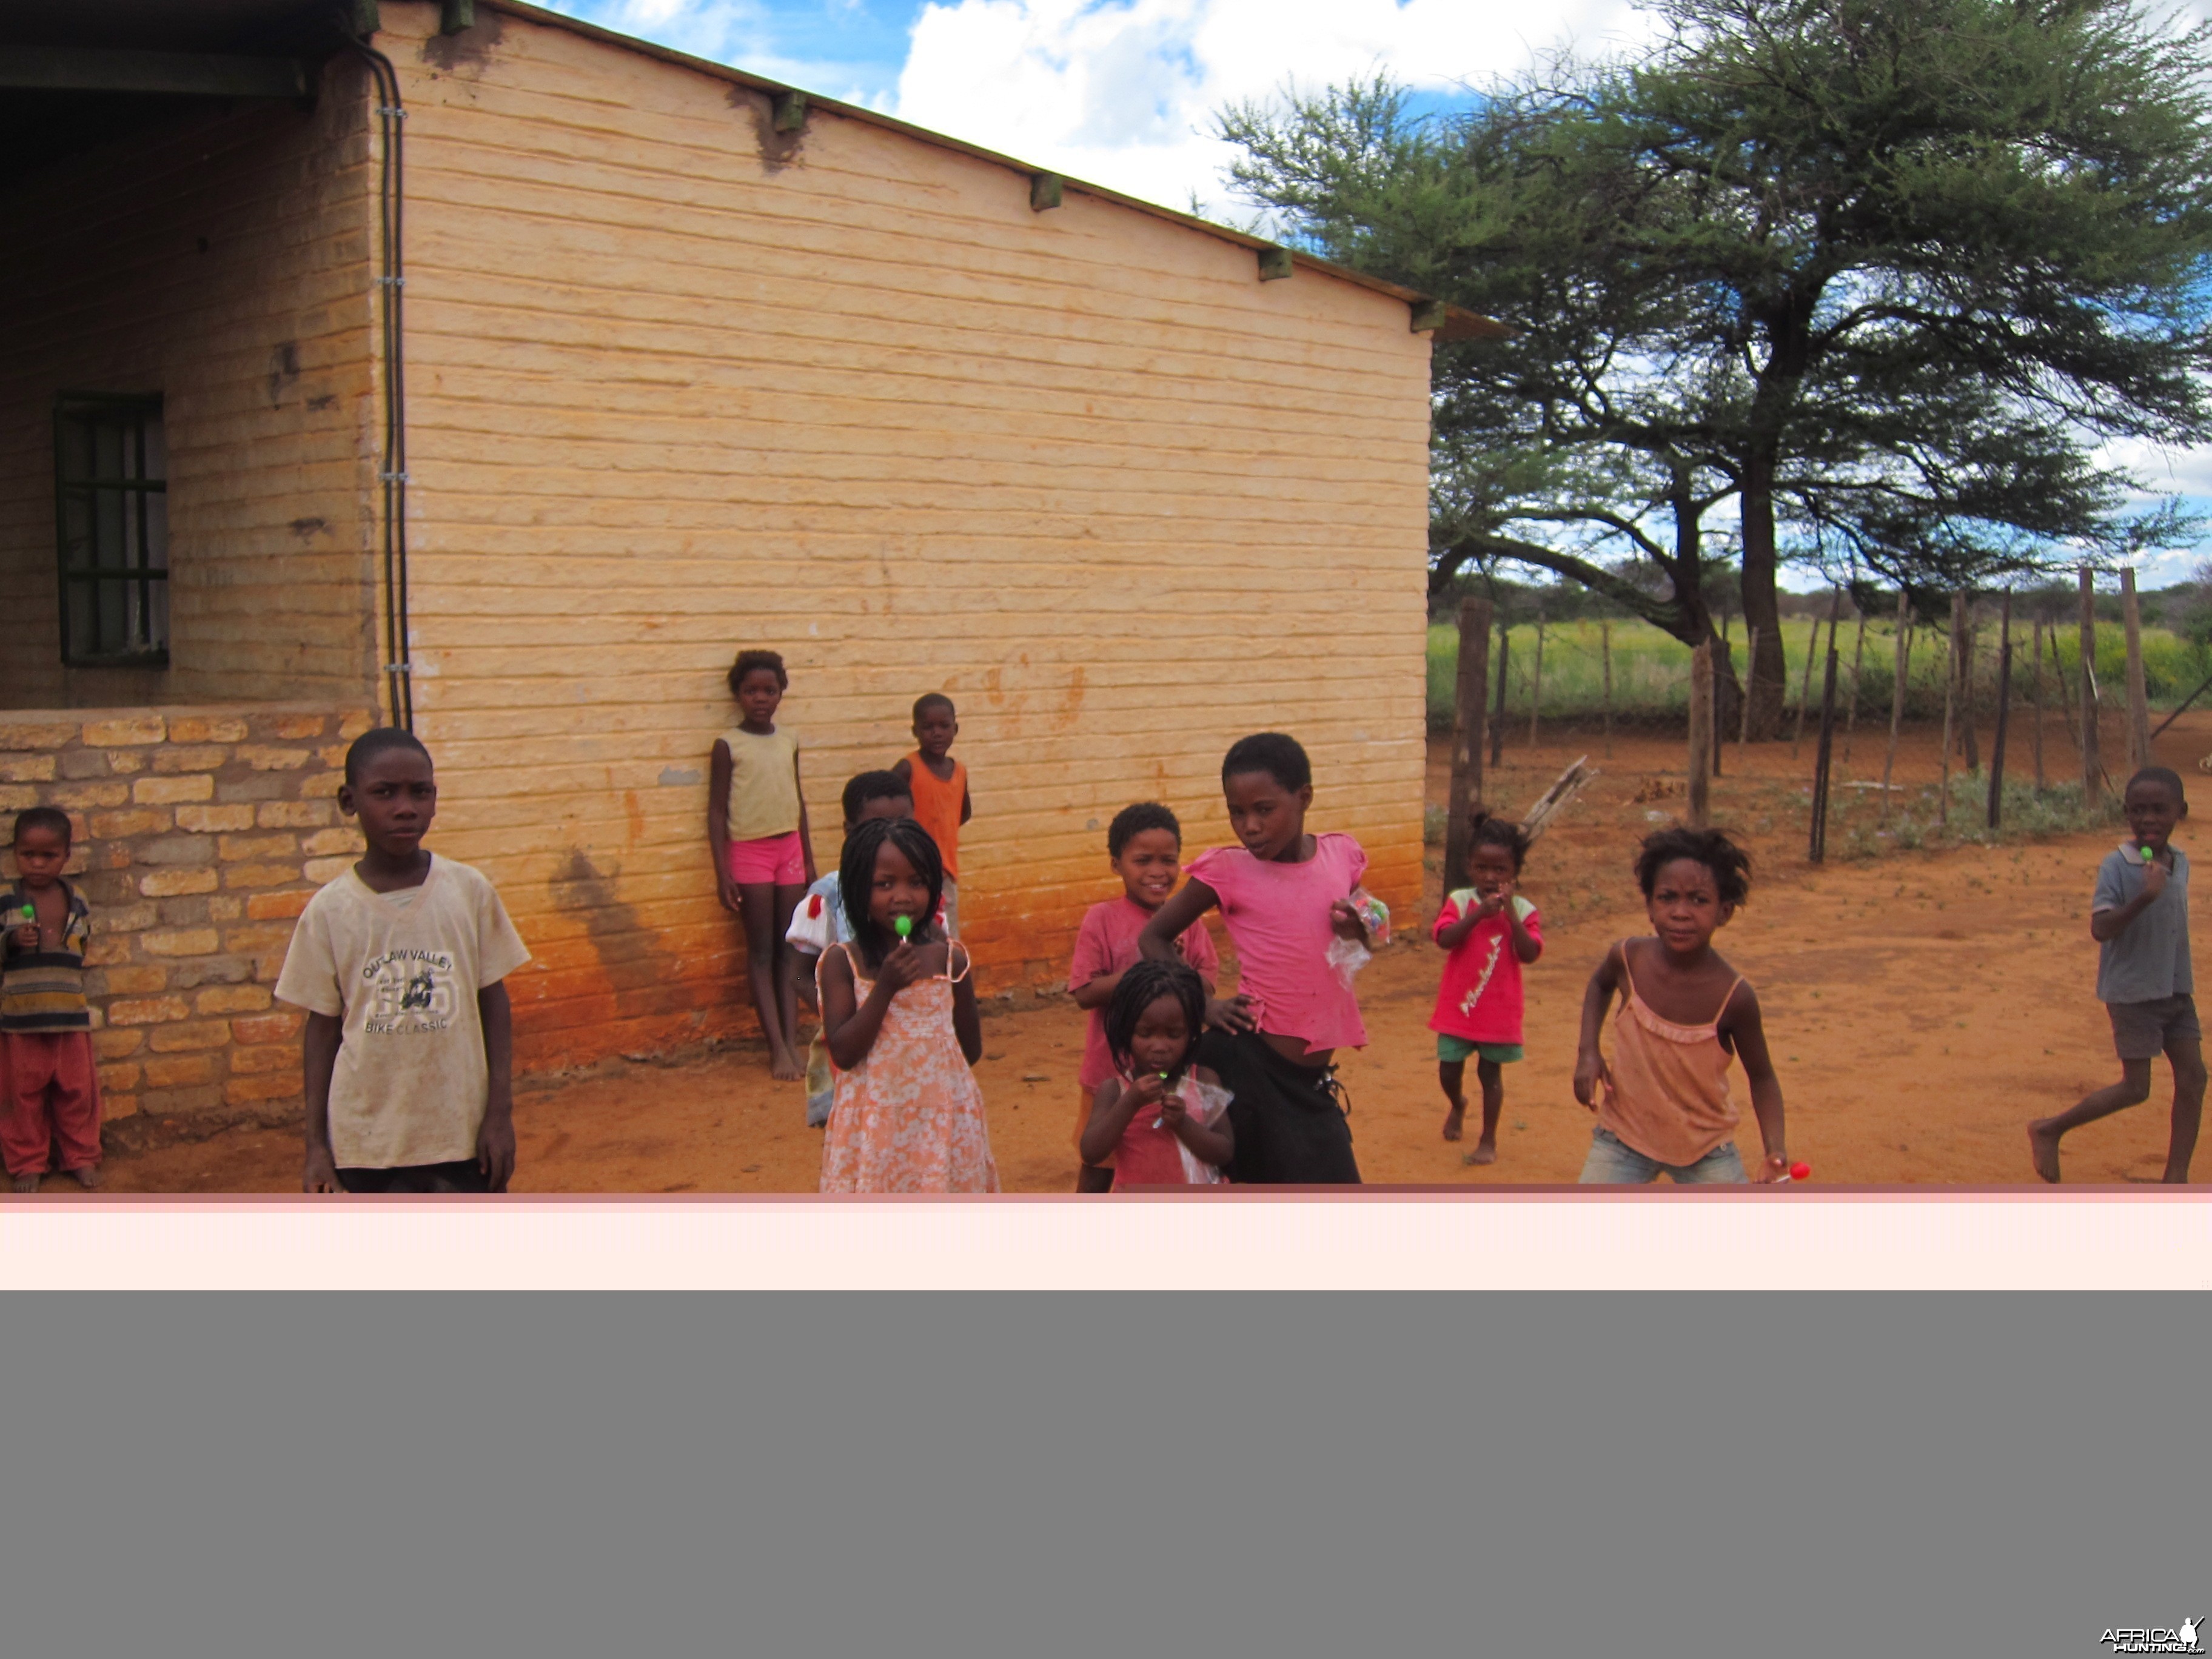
(773, 860)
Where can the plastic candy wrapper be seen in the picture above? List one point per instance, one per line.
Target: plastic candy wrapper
(1206, 1101)
(1347, 956)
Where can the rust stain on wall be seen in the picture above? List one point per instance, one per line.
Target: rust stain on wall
(1071, 707)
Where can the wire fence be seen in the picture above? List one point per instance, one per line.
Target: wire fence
(1581, 673)
(1590, 683)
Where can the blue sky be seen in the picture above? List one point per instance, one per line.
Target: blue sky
(1120, 91)
(852, 50)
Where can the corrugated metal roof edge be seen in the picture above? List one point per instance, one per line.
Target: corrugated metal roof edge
(1459, 323)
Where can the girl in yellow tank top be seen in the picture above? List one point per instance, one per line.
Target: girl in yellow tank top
(756, 832)
(1662, 1101)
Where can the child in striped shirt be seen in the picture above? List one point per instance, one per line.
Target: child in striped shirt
(53, 1084)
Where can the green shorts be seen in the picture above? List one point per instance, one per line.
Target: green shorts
(1457, 1051)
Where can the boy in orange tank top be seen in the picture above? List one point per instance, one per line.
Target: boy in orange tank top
(941, 803)
(1662, 1100)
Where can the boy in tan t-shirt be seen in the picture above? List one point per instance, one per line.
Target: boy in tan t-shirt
(408, 1046)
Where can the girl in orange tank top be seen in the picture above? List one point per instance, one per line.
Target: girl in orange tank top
(1662, 1102)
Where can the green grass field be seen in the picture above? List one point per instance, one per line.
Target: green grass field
(1651, 670)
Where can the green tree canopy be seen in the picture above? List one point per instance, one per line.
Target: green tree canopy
(1886, 273)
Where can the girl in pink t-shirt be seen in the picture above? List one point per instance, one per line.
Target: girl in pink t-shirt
(1491, 931)
(1285, 896)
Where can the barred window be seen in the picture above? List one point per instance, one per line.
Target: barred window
(111, 512)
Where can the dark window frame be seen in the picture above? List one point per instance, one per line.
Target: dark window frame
(136, 411)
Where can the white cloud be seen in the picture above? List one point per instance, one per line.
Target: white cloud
(1123, 94)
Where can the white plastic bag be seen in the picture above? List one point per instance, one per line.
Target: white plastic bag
(1346, 956)
(1206, 1101)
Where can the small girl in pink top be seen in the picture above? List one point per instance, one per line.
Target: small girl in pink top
(1158, 1118)
(1285, 896)
(1491, 931)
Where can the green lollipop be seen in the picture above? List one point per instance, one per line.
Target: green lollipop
(903, 926)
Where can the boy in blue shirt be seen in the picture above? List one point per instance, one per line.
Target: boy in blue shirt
(2139, 917)
(819, 923)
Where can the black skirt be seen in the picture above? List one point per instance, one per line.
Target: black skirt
(1289, 1128)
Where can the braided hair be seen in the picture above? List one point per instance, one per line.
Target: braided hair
(1144, 984)
(856, 875)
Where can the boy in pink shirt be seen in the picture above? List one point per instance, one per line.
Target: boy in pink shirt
(1145, 844)
(1491, 931)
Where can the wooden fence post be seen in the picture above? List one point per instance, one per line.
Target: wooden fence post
(1536, 685)
(1604, 654)
(1751, 662)
(1497, 719)
(1969, 743)
(1858, 661)
(2138, 701)
(1817, 848)
(1701, 732)
(1467, 732)
(1950, 710)
(2004, 707)
(1805, 686)
(2065, 691)
(1897, 692)
(2091, 768)
(1725, 660)
(2035, 697)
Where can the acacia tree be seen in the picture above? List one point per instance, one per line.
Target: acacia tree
(1556, 447)
(1887, 271)
(2014, 198)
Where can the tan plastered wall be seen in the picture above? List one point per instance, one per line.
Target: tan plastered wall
(223, 262)
(679, 385)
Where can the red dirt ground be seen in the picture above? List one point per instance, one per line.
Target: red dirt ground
(1922, 1006)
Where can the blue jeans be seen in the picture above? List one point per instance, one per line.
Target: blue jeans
(1614, 1163)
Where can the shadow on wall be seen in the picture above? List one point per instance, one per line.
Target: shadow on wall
(630, 953)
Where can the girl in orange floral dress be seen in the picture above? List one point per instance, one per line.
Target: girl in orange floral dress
(898, 1017)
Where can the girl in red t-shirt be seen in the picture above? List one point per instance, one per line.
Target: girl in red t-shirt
(1491, 931)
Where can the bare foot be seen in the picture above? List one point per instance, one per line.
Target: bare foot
(1485, 1151)
(28, 1183)
(86, 1176)
(786, 1067)
(1453, 1118)
(2043, 1150)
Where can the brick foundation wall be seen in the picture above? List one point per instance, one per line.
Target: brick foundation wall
(199, 835)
